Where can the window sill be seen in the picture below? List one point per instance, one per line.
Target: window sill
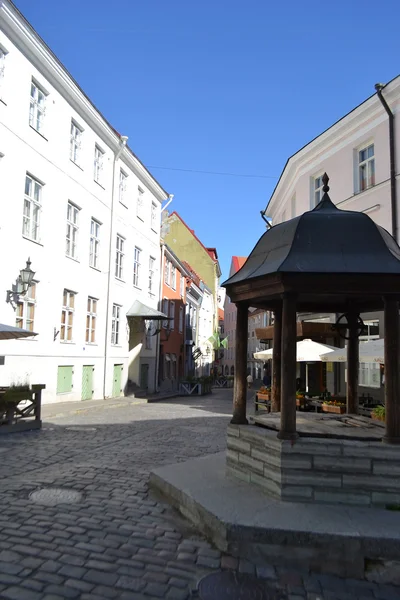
(91, 343)
(116, 346)
(3, 102)
(38, 132)
(154, 230)
(367, 189)
(32, 240)
(120, 280)
(76, 164)
(72, 258)
(137, 287)
(99, 184)
(124, 205)
(140, 218)
(95, 268)
(67, 343)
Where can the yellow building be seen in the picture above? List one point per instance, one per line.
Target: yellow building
(186, 245)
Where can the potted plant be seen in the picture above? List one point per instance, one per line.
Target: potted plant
(334, 406)
(379, 413)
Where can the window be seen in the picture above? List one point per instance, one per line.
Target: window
(140, 203)
(122, 186)
(293, 206)
(180, 319)
(172, 315)
(98, 164)
(136, 267)
(64, 380)
(119, 257)
(369, 373)
(37, 107)
(91, 317)
(67, 316)
(366, 168)
(116, 309)
(194, 318)
(32, 208)
(165, 311)
(173, 277)
(94, 244)
(317, 192)
(149, 329)
(72, 230)
(3, 54)
(154, 216)
(25, 312)
(182, 283)
(167, 271)
(75, 142)
(152, 262)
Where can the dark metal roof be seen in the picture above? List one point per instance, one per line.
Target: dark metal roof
(324, 240)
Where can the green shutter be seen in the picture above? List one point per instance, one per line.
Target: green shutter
(64, 380)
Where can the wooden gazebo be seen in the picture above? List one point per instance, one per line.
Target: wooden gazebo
(326, 260)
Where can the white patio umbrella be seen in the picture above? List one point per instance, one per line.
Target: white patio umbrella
(369, 352)
(7, 332)
(306, 351)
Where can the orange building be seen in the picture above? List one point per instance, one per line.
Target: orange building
(175, 278)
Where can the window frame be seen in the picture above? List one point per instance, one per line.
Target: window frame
(34, 204)
(98, 164)
(173, 277)
(115, 324)
(91, 320)
(75, 143)
(316, 179)
(153, 216)
(165, 310)
(122, 188)
(181, 285)
(67, 312)
(36, 111)
(136, 267)
(171, 322)
(74, 228)
(24, 304)
(181, 319)
(119, 257)
(94, 250)
(364, 166)
(3, 56)
(152, 270)
(140, 204)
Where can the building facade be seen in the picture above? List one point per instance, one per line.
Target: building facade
(83, 208)
(228, 361)
(355, 152)
(176, 279)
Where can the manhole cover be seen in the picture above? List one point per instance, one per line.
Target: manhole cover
(53, 496)
(235, 586)
(81, 428)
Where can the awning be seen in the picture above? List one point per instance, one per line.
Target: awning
(138, 309)
(306, 350)
(369, 352)
(8, 332)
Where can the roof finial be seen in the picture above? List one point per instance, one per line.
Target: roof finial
(325, 180)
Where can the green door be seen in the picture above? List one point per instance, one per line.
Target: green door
(144, 376)
(87, 382)
(116, 391)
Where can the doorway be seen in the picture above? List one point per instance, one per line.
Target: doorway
(144, 376)
(87, 382)
(117, 378)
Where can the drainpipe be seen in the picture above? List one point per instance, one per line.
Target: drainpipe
(161, 307)
(122, 143)
(393, 192)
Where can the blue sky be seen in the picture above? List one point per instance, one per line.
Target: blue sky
(228, 86)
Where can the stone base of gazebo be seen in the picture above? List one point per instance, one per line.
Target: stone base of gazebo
(315, 469)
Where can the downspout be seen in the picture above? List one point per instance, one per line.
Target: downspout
(122, 143)
(262, 213)
(161, 307)
(392, 150)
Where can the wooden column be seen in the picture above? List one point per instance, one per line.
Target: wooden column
(240, 384)
(392, 375)
(276, 362)
(288, 369)
(352, 365)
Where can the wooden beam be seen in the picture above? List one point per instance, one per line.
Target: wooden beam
(392, 376)
(276, 361)
(240, 383)
(352, 365)
(288, 369)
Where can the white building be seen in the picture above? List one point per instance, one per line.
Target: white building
(355, 153)
(79, 203)
(205, 331)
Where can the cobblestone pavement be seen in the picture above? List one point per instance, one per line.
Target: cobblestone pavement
(118, 541)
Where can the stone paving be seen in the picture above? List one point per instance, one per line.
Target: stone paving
(117, 541)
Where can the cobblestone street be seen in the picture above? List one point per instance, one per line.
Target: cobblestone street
(118, 541)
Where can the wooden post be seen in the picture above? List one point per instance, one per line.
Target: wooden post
(392, 376)
(276, 362)
(288, 371)
(352, 365)
(240, 385)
